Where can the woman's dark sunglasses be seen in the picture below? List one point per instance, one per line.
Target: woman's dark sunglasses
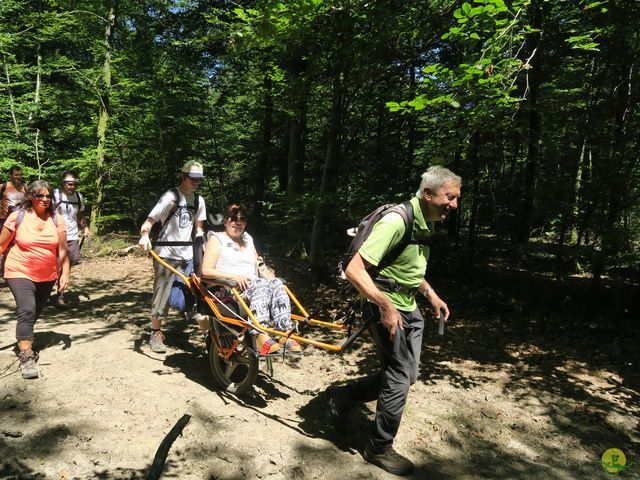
(42, 196)
(238, 218)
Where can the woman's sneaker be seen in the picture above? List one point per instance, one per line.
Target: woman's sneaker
(28, 365)
(389, 460)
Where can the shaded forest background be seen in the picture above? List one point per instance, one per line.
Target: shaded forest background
(312, 112)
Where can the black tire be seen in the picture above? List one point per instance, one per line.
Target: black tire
(238, 374)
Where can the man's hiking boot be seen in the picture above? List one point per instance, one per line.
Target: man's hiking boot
(28, 365)
(390, 461)
(156, 342)
(339, 406)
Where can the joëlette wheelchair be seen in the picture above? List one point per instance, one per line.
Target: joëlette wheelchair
(233, 357)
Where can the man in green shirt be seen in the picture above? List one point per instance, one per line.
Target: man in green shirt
(397, 324)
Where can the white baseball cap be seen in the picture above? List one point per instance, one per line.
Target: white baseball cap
(193, 169)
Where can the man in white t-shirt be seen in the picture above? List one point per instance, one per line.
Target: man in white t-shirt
(179, 215)
(70, 204)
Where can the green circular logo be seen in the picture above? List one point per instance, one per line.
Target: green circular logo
(613, 461)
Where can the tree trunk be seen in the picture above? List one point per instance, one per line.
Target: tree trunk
(328, 182)
(103, 120)
(12, 106)
(525, 220)
(295, 157)
(264, 159)
(570, 213)
(411, 132)
(34, 116)
(475, 195)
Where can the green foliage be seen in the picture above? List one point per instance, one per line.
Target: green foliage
(504, 92)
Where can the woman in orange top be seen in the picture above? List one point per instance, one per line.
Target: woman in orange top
(31, 264)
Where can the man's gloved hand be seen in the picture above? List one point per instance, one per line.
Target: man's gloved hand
(145, 243)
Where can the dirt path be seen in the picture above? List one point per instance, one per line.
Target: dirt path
(104, 403)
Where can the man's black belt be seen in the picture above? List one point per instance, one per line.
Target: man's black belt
(174, 244)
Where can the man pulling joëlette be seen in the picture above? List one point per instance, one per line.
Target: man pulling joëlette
(175, 241)
(396, 323)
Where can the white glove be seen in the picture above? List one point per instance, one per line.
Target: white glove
(144, 243)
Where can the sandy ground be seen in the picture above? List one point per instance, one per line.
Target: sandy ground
(104, 402)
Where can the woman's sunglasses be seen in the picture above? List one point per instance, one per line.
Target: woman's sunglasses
(42, 196)
(238, 218)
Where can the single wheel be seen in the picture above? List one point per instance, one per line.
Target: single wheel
(238, 374)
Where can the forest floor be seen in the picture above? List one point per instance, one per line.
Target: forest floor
(512, 390)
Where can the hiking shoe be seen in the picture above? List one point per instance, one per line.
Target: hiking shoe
(28, 365)
(156, 342)
(339, 406)
(390, 461)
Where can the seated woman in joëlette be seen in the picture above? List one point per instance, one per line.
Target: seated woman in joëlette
(231, 255)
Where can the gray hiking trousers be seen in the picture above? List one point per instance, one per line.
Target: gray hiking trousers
(400, 360)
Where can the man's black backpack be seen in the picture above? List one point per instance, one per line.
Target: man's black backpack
(364, 228)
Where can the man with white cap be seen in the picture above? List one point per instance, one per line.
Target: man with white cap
(70, 204)
(181, 213)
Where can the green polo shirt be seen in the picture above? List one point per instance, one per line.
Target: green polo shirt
(409, 268)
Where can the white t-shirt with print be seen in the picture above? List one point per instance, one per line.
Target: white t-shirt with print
(178, 228)
(69, 206)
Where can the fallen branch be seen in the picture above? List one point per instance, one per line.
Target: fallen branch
(155, 471)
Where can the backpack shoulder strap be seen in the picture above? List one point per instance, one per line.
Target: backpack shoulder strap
(19, 219)
(176, 200)
(79, 195)
(408, 216)
(56, 199)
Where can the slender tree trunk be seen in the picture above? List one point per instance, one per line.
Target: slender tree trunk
(267, 129)
(475, 194)
(34, 116)
(295, 158)
(328, 182)
(12, 106)
(264, 159)
(103, 119)
(284, 159)
(411, 131)
(570, 213)
(525, 220)
(617, 188)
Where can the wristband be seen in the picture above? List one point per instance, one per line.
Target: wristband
(427, 292)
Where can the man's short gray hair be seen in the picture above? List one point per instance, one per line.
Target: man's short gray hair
(435, 177)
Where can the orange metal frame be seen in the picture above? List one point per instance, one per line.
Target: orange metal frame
(195, 285)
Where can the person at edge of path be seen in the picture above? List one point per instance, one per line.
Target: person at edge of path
(13, 191)
(397, 324)
(175, 243)
(70, 204)
(38, 243)
(11, 195)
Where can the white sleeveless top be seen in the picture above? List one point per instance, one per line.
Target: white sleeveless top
(234, 260)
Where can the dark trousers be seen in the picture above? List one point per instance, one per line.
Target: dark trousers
(400, 360)
(31, 298)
